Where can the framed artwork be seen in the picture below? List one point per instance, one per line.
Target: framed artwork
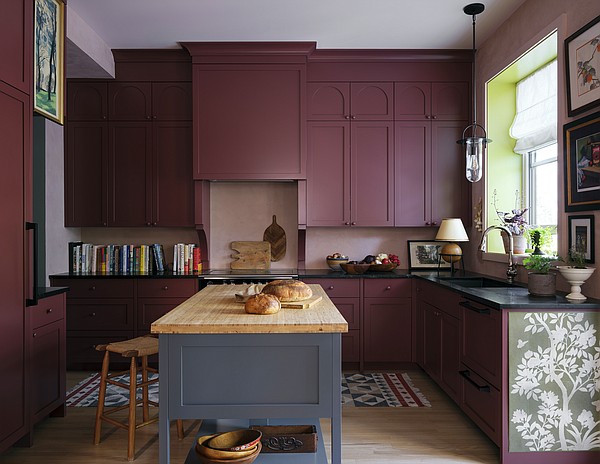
(582, 164)
(49, 57)
(425, 255)
(582, 54)
(581, 235)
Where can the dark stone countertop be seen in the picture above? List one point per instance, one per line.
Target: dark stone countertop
(159, 275)
(45, 292)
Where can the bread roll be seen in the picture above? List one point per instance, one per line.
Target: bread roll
(262, 304)
(288, 290)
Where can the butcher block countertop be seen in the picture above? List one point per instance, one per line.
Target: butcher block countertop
(214, 310)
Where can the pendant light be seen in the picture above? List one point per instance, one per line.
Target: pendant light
(474, 144)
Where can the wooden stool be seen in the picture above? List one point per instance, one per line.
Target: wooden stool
(140, 347)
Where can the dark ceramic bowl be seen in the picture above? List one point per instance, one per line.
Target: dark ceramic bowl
(334, 263)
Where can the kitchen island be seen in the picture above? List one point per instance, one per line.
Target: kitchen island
(217, 362)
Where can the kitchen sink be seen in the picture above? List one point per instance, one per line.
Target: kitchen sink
(476, 282)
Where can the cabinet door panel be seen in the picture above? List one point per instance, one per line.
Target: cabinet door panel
(172, 101)
(87, 101)
(173, 185)
(81, 349)
(483, 406)
(15, 133)
(372, 169)
(412, 149)
(166, 288)
(104, 314)
(129, 101)
(450, 101)
(387, 330)
(328, 101)
(150, 309)
(97, 287)
(336, 288)
(328, 196)
(16, 50)
(86, 194)
(387, 288)
(432, 338)
(450, 357)
(130, 174)
(372, 101)
(449, 194)
(350, 310)
(351, 346)
(412, 101)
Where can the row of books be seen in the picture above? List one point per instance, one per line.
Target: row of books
(89, 258)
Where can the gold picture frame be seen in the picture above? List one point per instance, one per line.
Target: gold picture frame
(49, 59)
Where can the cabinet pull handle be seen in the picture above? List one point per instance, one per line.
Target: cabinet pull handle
(389, 287)
(34, 270)
(467, 375)
(330, 287)
(165, 288)
(468, 305)
(354, 223)
(346, 223)
(428, 223)
(427, 116)
(346, 117)
(434, 223)
(434, 117)
(353, 117)
(34, 334)
(93, 314)
(92, 288)
(49, 310)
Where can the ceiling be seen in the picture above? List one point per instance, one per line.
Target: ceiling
(408, 24)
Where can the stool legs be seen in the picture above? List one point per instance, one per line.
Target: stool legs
(101, 395)
(132, 405)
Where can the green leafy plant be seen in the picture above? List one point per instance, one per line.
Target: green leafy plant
(577, 258)
(540, 264)
(541, 237)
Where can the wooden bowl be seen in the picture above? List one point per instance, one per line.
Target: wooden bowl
(211, 453)
(383, 267)
(236, 440)
(242, 460)
(334, 263)
(355, 268)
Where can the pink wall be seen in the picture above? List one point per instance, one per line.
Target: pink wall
(533, 21)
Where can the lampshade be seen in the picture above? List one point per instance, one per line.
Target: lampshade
(452, 230)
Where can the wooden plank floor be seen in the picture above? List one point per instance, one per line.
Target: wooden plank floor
(440, 434)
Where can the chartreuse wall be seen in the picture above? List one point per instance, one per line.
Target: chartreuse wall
(505, 167)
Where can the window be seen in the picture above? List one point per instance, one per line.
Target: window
(542, 195)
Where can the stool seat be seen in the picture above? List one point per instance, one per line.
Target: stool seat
(135, 348)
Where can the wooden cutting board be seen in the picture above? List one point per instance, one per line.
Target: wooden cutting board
(251, 255)
(304, 304)
(275, 235)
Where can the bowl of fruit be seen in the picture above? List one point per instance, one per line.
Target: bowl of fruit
(334, 260)
(383, 262)
(354, 267)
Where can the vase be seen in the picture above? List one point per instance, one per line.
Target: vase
(519, 243)
(576, 278)
(541, 284)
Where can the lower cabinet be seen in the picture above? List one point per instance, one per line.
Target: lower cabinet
(115, 308)
(380, 319)
(47, 337)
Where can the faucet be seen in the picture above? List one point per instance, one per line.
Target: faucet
(511, 272)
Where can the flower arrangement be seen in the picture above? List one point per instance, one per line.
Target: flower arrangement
(513, 220)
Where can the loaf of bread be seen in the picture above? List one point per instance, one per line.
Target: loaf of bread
(262, 304)
(288, 290)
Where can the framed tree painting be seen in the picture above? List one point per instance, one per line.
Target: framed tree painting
(48, 65)
(424, 254)
(582, 54)
(582, 163)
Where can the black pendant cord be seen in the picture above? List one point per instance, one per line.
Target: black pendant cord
(473, 79)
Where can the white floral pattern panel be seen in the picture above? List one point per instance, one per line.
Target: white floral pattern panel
(554, 381)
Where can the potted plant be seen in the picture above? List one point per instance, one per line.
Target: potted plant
(540, 238)
(576, 273)
(515, 222)
(540, 280)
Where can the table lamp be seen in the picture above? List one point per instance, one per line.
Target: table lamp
(451, 231)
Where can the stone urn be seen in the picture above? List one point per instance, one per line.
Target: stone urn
(540, 284)
(576, 277)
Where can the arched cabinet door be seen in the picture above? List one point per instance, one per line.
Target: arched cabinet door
(129, 101)
(87, 101)
(412, 101)
(172, 101)
(372, 101)
(450, 101)
(329, 101)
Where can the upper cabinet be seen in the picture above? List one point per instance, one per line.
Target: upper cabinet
(138, 101)
(443, 101)
(249, 110)
(87, 101)
(16, 47)
(361, 101)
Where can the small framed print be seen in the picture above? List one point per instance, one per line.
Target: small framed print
(581, 235)
(425, 255)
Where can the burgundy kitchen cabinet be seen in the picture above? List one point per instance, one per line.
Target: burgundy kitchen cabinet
(47, 357)
(429, 167)
(388, 321)
(439, 336)
(249, 121)
(442, 101)
(16, 48)
(361, 101)
(138, 101)
(350, 174)
(345, 295)
(15, 209)
(87, 101)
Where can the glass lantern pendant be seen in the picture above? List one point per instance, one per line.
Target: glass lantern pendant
(474, 147)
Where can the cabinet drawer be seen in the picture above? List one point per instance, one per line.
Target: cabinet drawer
(338, 287)
(151, 309)
(158, 288)
(113, 314)
(48, 310)
(81, 350)
(99, 288)
(482, 403)
(387, 288)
